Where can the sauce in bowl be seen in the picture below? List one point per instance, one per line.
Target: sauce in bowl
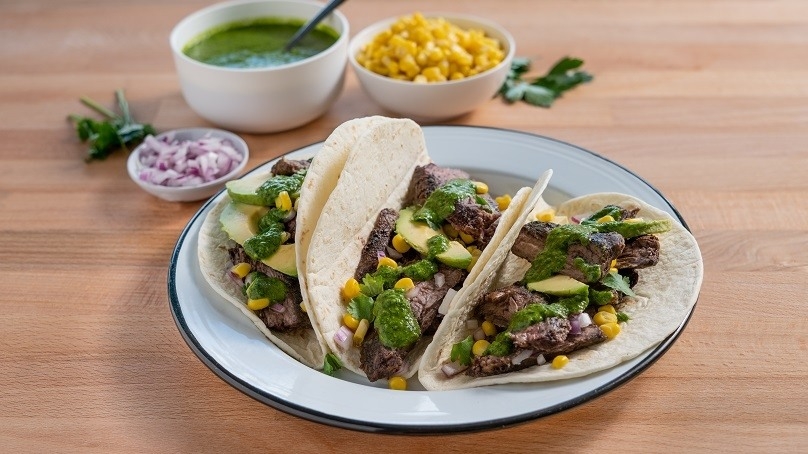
(257, 43)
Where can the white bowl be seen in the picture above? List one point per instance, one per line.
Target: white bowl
(260, 100)
(437, 100)
(188, 193)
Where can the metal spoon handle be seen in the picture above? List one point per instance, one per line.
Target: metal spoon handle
(311, 24)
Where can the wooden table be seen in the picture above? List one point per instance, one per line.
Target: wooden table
(707, 100)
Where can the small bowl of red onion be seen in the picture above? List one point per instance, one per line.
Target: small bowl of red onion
(185, 165)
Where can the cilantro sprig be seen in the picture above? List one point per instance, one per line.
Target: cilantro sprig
(114, 132)
(543, 91)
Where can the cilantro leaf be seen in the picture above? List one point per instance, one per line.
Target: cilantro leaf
(371, 286)
(543, 91)
(331, 364)
(461, 351)
(617, 282)
(361, 307)
(623, 317)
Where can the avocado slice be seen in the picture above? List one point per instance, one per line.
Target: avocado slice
(417, 234)
(240, 220)
(559, 285)
(283, 260)
(245, 190)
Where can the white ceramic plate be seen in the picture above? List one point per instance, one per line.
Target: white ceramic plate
(237, 352)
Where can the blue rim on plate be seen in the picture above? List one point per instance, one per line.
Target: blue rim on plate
(437, 138)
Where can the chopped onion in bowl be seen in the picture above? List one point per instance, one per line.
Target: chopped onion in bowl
(170, 162)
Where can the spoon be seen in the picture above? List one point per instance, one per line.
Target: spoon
(311, 24)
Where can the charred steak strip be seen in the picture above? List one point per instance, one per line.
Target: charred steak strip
(589, 335)
(290, 166)
(425, 179)
(498, 306)
(378, 239)
(237, 255)
(543, 336)
(640, 252)
(483, 366)
(378, 361)
(601, 249)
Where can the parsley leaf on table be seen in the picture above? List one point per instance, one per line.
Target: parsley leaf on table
(113, 132)
(543, 91)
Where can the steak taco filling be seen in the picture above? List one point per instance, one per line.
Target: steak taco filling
(582, 269)
(413, 261)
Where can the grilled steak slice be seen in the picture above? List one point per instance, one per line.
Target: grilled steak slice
(291, 318)
(601, 249)
(472, 218)
(425, 297)
(640, 252)
(468, 217)
(543, 336)
(498, 306)
(378, 361)
(425, 179)
(290, 166)
(589, 335)
(483, 366)
(488, 233)
(237, 255)
(377, 242)
(530, 241)
(626, 213)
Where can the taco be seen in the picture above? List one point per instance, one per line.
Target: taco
(573, 290)
(396, 239)
(252, 244)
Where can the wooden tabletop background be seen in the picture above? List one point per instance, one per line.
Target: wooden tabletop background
(706, 100)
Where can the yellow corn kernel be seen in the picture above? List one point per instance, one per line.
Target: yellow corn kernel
(603, 317)
(560, 361)
(480, 347)
(387, 261)
(488, 328)
(480, 187)
(257, 304)
(473, 262)
(349, 321)
(611, 330)
(450, 231)
(350, 290)
(613, 264)
(608, 308)
(404, 283)
(468, 239)
(241, 270)
(607, 218)
(613, 270)
(303, 307)
(474, 250)
(397, 383)
(283, 201)
(545, 215)
(503, 202)
(361, 330)
(400, 244)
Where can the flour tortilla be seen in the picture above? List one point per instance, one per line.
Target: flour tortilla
(666, 294)
(376, 176)
(306, 346)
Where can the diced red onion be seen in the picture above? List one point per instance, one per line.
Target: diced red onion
(472, 324)
(440, 279)
(405, 366)
(343, 337)
(412, 292)
(380, 254)
(584, 320)
(575, 325)
(170, 162)
(278, 307)
(479, 334)
(452, 369)
(443, 309)
(289, 216)
(540, 360)
(392, 253)
(249, 278)
(521, 356)
(575, 219)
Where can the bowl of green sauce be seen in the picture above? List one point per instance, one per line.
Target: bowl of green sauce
(234, 72)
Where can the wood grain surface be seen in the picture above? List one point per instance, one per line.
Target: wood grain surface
(706, 100)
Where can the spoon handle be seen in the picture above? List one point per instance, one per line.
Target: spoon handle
(311, 24)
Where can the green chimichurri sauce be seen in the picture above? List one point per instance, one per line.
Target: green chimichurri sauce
(554, 256)
(257, 43)
(441, 203)
(395, 322)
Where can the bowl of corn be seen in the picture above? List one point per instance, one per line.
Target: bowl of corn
(431, 67)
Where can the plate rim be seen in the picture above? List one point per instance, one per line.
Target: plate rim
(653, 355)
